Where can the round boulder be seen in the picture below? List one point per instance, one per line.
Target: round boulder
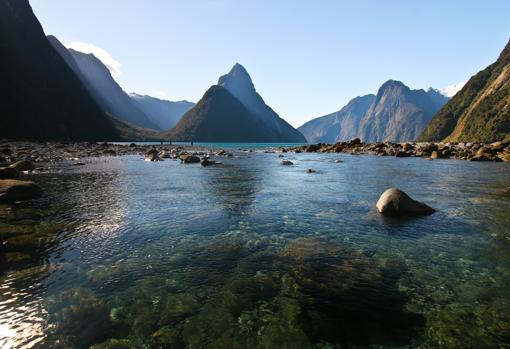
(395, 202)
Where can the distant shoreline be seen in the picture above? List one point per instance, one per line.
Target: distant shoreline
(48, 152)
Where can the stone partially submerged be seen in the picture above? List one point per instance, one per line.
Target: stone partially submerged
(12, 190)
(395, 202)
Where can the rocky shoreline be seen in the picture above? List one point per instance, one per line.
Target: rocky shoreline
(20, 158)
(497, 151)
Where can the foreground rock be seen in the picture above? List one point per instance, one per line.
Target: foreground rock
(12, 190)
(208, 162)
(395, 202)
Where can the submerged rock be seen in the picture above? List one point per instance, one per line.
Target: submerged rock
(78, 318)
(189, 159)
(287, 162)
(395, 202)
(23, 165)
(12, 190)
(340, 292)
(8, 173)
(208, 162)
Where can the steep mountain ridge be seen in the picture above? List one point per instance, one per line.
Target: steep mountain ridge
(338, 126)
(42, 98)
(480, 111)
(239, 83)
(395, 114)
(107, 92)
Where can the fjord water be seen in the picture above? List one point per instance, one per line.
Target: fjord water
(253, 254)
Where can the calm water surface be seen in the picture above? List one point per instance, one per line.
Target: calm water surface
(123, 253)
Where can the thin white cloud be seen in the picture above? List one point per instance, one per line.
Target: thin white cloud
(160, 93)
(112, 64)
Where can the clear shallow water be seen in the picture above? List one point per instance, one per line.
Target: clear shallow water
(253, 254)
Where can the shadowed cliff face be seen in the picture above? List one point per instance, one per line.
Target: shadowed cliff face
(480, 111)
(218, 117)
(396, 114)
(42, 97)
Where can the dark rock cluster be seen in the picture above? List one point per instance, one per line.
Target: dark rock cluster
(497, 151)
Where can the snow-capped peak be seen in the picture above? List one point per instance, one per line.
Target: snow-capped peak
(451, 90)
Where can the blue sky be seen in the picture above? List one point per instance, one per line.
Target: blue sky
(306, 58)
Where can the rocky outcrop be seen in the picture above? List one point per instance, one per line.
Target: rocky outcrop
(497, 151)
(189, 159)
(395, 202)
(12, 190)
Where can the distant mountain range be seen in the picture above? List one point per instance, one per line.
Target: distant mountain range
(142, 111)
(395, 114)
(50, 92)
(233, 111)
(164, 114)
(42, 98)
(480, 111)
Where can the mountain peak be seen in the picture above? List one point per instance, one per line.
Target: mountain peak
(392, 84)
(237, 79)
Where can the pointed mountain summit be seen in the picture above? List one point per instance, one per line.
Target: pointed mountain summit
(480, 111)
(233, 111)
(238, 82)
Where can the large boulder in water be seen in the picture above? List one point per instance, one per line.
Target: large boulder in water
(395, 202)
(12, 190)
